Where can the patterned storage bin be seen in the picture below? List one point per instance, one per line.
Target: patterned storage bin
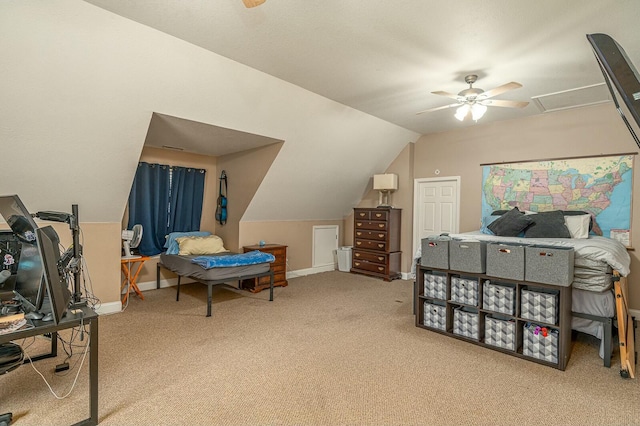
(464, 290)
(435, 315)
(539, 306)
(435, 286)
(465, 322)
(500, 332)
(499, 298)
(540, 342)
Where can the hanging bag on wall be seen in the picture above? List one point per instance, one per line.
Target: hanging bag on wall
(221, 210)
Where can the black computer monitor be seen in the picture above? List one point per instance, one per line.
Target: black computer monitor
(54, 277)
(619, 74)
(28, 278)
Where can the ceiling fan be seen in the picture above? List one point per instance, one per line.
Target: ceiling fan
(473, 102)
(252, 3)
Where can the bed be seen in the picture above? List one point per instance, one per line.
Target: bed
(599, 284)
(201, 257)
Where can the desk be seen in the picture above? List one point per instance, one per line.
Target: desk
(131, 272)
(83, 315)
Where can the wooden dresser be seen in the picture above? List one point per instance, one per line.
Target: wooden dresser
(279, 268)
(376, 242)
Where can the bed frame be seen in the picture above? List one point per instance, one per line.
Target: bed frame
(211, 283)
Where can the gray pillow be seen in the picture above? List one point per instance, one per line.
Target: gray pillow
(511, 223)
(548, 225)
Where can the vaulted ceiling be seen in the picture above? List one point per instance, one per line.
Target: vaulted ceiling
(386, 57)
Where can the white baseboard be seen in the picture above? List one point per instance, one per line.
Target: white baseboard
(109, 308)
(634, 313)
(310, 271)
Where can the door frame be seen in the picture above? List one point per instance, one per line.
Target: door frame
(416, 215)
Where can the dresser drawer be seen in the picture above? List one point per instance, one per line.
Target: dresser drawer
(372, 235)
(370, 224)
(369, 257)
(279, 253)
(371, 267)
(380, 215)
(362, 214)
(278, 267)
(371, 245)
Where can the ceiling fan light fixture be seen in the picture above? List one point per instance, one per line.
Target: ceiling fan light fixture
(477, 111)
(462, 112)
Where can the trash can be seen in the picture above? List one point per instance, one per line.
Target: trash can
(344, 259)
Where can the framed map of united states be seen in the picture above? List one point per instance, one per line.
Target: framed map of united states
(600, 185)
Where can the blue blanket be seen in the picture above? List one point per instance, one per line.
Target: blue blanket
(250, 258)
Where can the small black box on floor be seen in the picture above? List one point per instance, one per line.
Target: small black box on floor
(505, 261)
(549, 265)
(540, 342)
(435, 315)
(435, 252)
(467, 256)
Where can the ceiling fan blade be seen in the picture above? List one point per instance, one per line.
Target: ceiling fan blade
(499, 90)
(438, 108)
(252, 3)
(449, 95)
(506, 104)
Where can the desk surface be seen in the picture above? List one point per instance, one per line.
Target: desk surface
(73, 318)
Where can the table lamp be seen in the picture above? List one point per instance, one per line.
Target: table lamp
(385, 184)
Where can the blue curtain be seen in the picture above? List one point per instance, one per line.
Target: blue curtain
(148, 203)
(187, 192)
(165, 199)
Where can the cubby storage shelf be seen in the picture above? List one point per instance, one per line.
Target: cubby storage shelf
(553, 349)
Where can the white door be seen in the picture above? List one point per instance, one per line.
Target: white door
(436, 207)
(325, 244)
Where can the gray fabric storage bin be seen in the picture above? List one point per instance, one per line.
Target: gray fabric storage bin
(500, 332)
(465, 322)
(435, 252)
(464, 290)
(435, 285)
(536, 345)
(499, 298)
(467, 256)
(549, 265)
(539, 305)
(435, 315)
(505, 261)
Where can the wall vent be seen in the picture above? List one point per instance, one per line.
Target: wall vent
(573, 98)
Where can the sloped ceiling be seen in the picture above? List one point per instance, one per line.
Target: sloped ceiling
(80, 86)
(386, 57)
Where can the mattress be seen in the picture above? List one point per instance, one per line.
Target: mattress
(183, 266)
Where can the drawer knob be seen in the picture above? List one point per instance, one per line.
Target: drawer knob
(381, 225)
(357, 254)
(380, 258)
(357, 263)
(378, 214)
(359, 224)
(362, 214)
(380, 268)
(358, 233)
(380, 235)
(358, 243)
(380, 245)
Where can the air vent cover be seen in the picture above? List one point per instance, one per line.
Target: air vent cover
(573, 98)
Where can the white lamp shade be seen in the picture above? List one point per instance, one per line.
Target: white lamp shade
(385, 182)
